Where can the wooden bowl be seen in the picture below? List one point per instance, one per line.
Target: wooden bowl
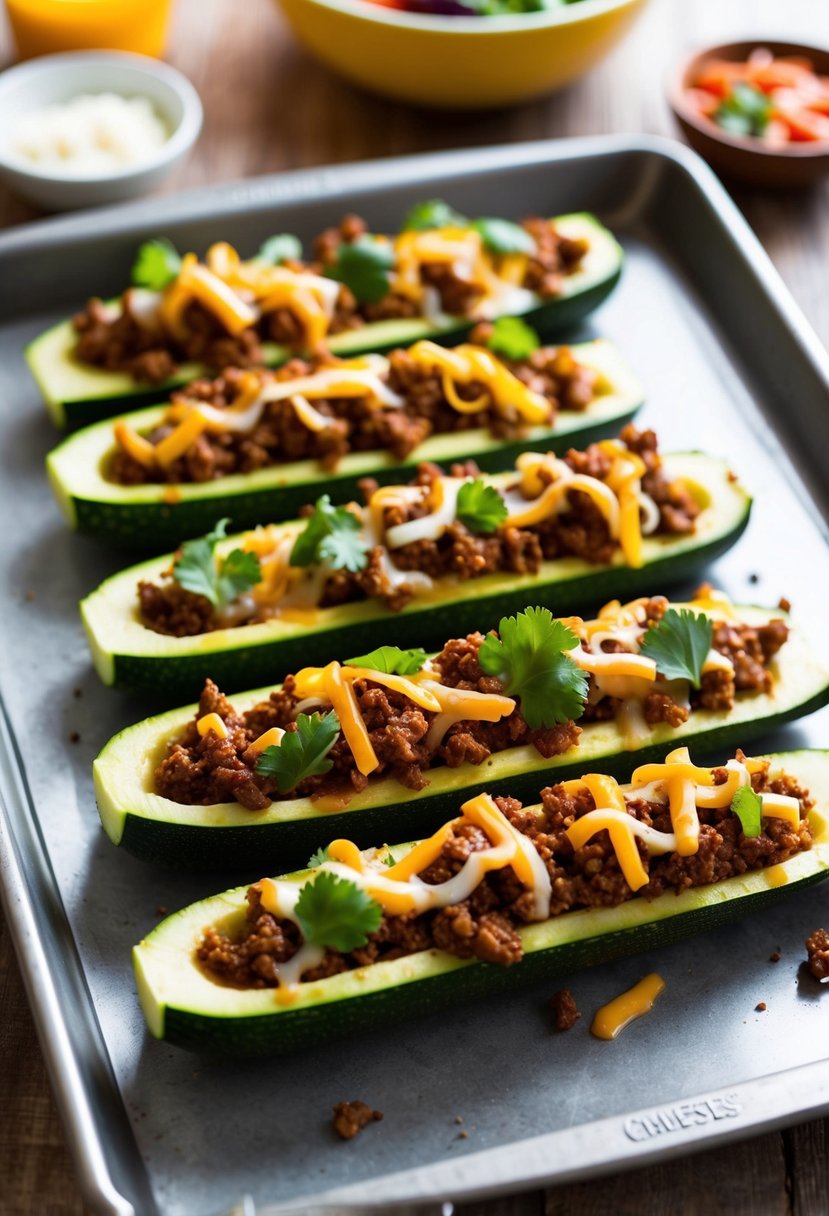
(742, 157)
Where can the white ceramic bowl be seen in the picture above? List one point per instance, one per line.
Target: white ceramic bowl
(53, 79)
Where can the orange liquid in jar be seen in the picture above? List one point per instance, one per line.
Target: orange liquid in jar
(42, 27)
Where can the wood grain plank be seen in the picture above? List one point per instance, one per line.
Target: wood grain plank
(35, 1167)
(747, 1179)
(807, 1156)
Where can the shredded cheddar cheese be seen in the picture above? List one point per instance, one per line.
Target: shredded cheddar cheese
(238, 293)
(136, 445)
(545, 483)
(613, 1017)
(468, 364)
(212, 722)
(352, 379)
(269, 738)
(400, 890)
(334, 684)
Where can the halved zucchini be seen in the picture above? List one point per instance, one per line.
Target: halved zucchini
(127, 653)
(77, 393)
(286, 833)
(182, 1005)
(155, 515)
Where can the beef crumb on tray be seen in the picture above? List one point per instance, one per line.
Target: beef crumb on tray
(350, 1118)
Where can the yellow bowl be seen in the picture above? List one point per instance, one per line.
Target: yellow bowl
(459, 62)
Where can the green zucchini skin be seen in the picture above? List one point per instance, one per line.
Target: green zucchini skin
(78, 394)
(225, 836)
(127, 654)
(183, 1007)
(144, 517)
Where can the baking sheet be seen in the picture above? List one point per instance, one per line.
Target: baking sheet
(730, 367)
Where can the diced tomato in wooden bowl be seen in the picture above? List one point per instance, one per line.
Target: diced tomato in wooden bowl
(756, 111)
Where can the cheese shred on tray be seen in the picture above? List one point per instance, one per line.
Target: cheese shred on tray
(593, 504)
(329, 731)
(498, 867)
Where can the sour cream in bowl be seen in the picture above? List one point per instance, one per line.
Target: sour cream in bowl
(93, 127)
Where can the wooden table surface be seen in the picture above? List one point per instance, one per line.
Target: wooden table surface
(269, 107)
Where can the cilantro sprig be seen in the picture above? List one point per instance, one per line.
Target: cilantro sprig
(504, 236)
(748, 807)
(282, 247)
(302, 752)
(197, 570)
(497, 8)
(530, 661)
(480, 507)
(364, 266)
(391, 660)
(318, 858)
(332, 534)
(746, 110)
(679, 645)
(156, 264)
(335, 912)
(433, 213)
(513, 338)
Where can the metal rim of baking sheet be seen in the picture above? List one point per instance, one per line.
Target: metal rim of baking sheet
(87, 1095)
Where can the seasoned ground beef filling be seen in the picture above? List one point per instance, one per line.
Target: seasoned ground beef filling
(349, 1118)
(817, 950)
(486, 926)
(581, 531)
(751, 649)
(126, 339)
(202, 770)
(356, 425)
(564, 1009)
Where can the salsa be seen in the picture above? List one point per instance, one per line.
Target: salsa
(474, 8)
(779, 101)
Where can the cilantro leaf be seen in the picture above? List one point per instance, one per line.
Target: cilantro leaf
(196, 569)
(503, 236)
(331, 534)
(301, 752)
(364, 265)
(433, 213)
(530, 661)
(490, 8)
(344, 550)
(745, 111)
(513, 338)
(748, 807)
(480, 507)
(280, 248)
(156, 264)
(238, 573)
(389, 860)
(391, 660)
(335, 912)
(318, 858)
(679, 645)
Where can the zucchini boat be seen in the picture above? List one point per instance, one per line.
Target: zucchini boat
(140, 811)
(391, 301)
(201, 989)
(352, 557)
(160, 511)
